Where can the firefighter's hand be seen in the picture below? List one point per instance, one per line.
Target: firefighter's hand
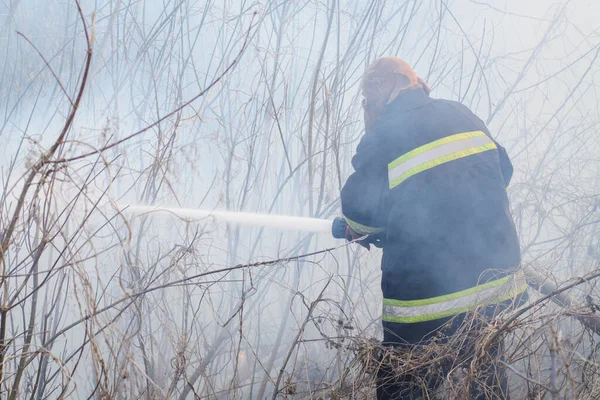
(351, 235)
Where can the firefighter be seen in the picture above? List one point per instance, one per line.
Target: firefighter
(430, 181)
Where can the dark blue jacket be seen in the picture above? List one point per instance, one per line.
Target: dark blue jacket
(447, 228)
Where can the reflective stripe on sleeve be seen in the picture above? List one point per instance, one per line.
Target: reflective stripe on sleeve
(436, 153)
(362, 229)
(412, 311)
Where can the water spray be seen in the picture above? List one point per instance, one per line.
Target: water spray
(305, 224)
(337, 227)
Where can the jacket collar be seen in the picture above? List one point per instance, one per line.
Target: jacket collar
(407, 101)
(404, 103)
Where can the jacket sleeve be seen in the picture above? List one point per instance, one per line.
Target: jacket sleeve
(364, 195)
(505, 164)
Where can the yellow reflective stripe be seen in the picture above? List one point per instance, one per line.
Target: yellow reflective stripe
(362, 229)
(432, 145)
(454, 303)
(451, 296)
(441, 160)
(438, 152)
(452, 312)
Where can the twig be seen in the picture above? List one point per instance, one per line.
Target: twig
(49, 67)
(173, 112)
(297, 338)
(554, 295)
(35, 169)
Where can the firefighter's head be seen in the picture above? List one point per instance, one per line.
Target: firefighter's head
(386, 78)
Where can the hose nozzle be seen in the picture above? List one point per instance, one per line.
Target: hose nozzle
(338, 228)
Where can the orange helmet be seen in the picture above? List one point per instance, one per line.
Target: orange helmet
(384, 80)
